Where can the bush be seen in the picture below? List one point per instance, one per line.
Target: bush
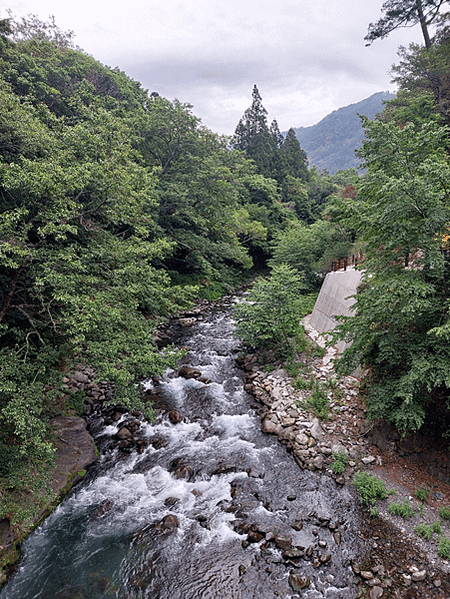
(422, 493)
(318, 401)
(369, 487)
(444, 547)
(424, 531)
(340, 459)
(444, 512)
(270, 316)
(437, 528)
(403, 509)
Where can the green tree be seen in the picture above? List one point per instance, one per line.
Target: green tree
(405, 13)
(294, 158)
(402, 214)
(253, 137)
(310, 249)
(269, 317)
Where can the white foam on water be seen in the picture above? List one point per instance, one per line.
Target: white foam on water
(234, 425)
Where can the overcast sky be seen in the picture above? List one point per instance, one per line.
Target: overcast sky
(307, 57)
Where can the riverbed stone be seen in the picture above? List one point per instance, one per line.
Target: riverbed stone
(175, 417)
(419, 576)
(269, 426)
(169, 523)
(189, 372)
(298, 581)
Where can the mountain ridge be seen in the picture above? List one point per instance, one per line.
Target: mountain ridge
(330, 144)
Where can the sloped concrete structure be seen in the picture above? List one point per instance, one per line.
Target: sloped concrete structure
(333, 300)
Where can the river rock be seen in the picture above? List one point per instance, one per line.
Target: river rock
(268, 426)
(298, 581)
(124, 434)
(316, 431)
(302, 439)
(318, 462)
(175, 417)
(419, 576)
(186, 322)
(169, 523)
(188, 372)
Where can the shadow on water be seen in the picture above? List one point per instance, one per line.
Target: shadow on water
(212, 508)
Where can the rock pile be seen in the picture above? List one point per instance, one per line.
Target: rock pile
(287, 414)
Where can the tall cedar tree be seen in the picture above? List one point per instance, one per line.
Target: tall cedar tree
(253, 137)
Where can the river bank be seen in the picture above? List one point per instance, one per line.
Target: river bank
(399, 563)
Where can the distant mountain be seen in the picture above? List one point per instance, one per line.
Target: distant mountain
(331, 143)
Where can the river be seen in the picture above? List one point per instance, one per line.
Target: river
(212, 508)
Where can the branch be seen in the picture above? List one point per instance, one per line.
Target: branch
(12, 288)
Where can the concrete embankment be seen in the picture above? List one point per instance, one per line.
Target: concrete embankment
(334, 299)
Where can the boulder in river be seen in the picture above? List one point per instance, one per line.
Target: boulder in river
(189, 372)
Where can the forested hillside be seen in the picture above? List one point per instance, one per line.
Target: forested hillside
(401, 214)
(118, 210)
(331, 143)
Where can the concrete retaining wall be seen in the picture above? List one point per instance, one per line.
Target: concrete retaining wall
(334, 300)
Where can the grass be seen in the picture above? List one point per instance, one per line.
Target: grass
(369, 488)
(318, 401)
(424, 531)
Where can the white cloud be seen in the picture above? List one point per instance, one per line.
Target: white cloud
(308, 57)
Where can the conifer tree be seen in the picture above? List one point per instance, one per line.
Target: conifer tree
(294, 158)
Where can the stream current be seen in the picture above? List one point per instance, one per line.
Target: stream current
(173, 522)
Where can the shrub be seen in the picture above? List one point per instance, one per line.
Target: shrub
(424, 531)
(369, 487)
(437, 528)
(444, 547)
(403, 509)
(270, 317)
(422, 493)
(444, 512)
(340, 459)
(318, 401)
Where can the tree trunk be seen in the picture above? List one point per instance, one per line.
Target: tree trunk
(423, 24)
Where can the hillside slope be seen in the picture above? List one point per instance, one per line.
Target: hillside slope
(331, 143)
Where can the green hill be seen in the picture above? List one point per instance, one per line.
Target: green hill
(331, 143)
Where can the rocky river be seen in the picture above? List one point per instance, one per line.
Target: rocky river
(202, 503)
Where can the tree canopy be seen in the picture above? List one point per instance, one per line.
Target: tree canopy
(405, 13)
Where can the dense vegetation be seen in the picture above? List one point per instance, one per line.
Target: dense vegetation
(401, 213)
(118, 210)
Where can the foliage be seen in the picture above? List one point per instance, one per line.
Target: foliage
(405, 13)
(424, 87)
(310, 249)
(369, 487)
(444, 512)
(399, 327)
(424, 531)
(402, 509)
(318, 402)
(339, 461)
(107, 195)
(444, 547)
(269, 317)
(422, 493)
